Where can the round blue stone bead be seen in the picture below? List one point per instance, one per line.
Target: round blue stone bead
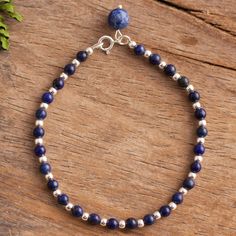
(39, 150)
(118, 19)
(53, 184)
(202, 131)
(63, 199)
(148, 219)
(82, 56)
(131, 223)
(199, 149)
(38, 132)
(165, 211)
(112, 223)
(155, 59)
(178, 198)
(70, 69)
(196, 167)
(183, 82)
(94, 219)
(41, 114)
(139, 50)
(194, 96)
(77, 211)
(200, 113)
(189, 183)
(45, 168)
(170, 70)
(58, 83)
(47, 98)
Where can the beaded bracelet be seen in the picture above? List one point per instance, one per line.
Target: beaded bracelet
(119, 19)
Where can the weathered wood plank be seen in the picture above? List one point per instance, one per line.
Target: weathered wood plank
(120, 135)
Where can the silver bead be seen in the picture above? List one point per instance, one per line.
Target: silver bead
(64, 76)
(172, 205)
(140, 223)
(196, 105)
(122, 224)
(44, 105)
(38, 141)
(190, 88)
(57, 193)
(192, 175)
(183, 190)
(39, 123)
(76, 62)
(201, 140)
(85, 216)
(43, 159)
(89, 51)
(157, 215)
(162, 65)
(147, 53)
(176, 76)
(103, 222)
(69, 206)
(53, 91)
(202, 122)
(132, 44)
(49, 176)
(198, 158)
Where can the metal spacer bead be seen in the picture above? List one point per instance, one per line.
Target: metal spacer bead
(196, 105)
(157, 215)
(103, 222)
(162, 65)
(202, 122)
(140, 223)
(122, 224)
(64, 76)
(38, 141)
(172, 205)
(43, 159)
(39, 123)
(89, 51)
(53, 91)
(183, 190)
(76, 62)
(69, 206)
(85, 216)
(176, 76)
(132, 44)
(57, 193)
(190, 88)
(198, 158)
(201, 140)
(49, 176)
(192, 175)
(147, 53)
(44, 105)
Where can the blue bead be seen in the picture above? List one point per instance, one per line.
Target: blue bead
(70, 69)
(131, 223)
(77, 211)
(165, 211)
(196, 167)
(58, 83)
(194, 96)
(63, 199)
(178, 198)
(41, 114)
(155, 59)
(202, 131)
(199, 149)
(148, 219)
(38, 132)
(170, 70)
(47, 98)
(53, 184)
(82, 56)
(139, 50)
(189, 183)
(183, 82)
(45, 168)
(94, 219)
(118, 19)
(200, 113)
(39, 150)
(112, 223)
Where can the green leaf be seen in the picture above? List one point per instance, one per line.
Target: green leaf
(8, 7)
(16, 16)
(5, 43)
(4, 33)
(2, 25)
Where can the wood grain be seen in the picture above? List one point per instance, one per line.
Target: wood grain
(120, 135)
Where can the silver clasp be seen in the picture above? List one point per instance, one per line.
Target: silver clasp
(119, 39)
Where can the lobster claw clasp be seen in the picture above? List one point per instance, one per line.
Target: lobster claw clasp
(104, 39)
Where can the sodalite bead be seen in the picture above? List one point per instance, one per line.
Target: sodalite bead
(155, 59)
(196, 166)
(45, 168)
(199, 149)
(131, 223)
(63, 199)
(53, 184)
(148, 219)
(41, 114)
(118, 19)
(165, 211)
(112, 223)
(47, 97)
(77, 211)
(178, 198)
(94, 219)
(39, 150)
(38, 132)
(189, 183)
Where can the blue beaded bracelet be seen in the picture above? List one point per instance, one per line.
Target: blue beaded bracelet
(119, 19)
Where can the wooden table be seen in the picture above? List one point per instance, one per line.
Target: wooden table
(120, 135)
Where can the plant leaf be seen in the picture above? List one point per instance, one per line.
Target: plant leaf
(2, 25)
(8, 7)
(5, 43)
(16, 16)
(4, 33)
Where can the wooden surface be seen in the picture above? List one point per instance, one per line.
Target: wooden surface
(120, 135)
